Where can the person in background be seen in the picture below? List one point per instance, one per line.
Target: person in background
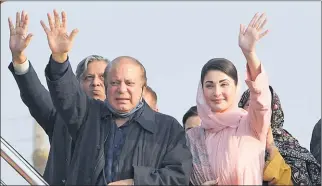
(315, 144)
(120, 141)
(191, 119)
(276, 171)
(151, 98)
(305, 169)
(35, 96)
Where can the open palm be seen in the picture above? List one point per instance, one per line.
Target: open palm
(19, 40)
(253, 33)
(58, 39)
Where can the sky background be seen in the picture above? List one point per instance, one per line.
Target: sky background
(173, 40)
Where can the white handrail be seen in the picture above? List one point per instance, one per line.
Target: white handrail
(16, 161)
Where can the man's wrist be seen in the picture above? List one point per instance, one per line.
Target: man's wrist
(19, 58)
(59, 57)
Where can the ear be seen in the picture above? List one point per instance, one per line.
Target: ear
(144, 88)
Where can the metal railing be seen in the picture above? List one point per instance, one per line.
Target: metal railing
(16, 161)
(2, 183)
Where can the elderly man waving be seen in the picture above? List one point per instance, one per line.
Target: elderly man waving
(121, 141)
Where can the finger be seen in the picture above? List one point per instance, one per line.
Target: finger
(28, 39)
(263, 34)
(242, 29)
(17, 19)
(64, 19)
(73, 34)
(22, 18)
(11, 28)
(253, 21)
(262, 25)
(46, 29)
(113, 183)
(50, 21)
(57, 20)
(260, 20)
(26, 22)
(213, 182)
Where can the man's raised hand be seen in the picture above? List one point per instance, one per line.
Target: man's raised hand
(19, 39)
(60, 42)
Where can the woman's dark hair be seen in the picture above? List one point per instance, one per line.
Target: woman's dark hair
(220, 64)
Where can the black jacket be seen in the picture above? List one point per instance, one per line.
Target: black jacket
(38, 100)
(154, 152)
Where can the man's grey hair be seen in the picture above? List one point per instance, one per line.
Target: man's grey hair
(82, 66)
(118, 59)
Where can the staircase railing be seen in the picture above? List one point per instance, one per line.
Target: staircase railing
(2, 183)
(16, 161)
